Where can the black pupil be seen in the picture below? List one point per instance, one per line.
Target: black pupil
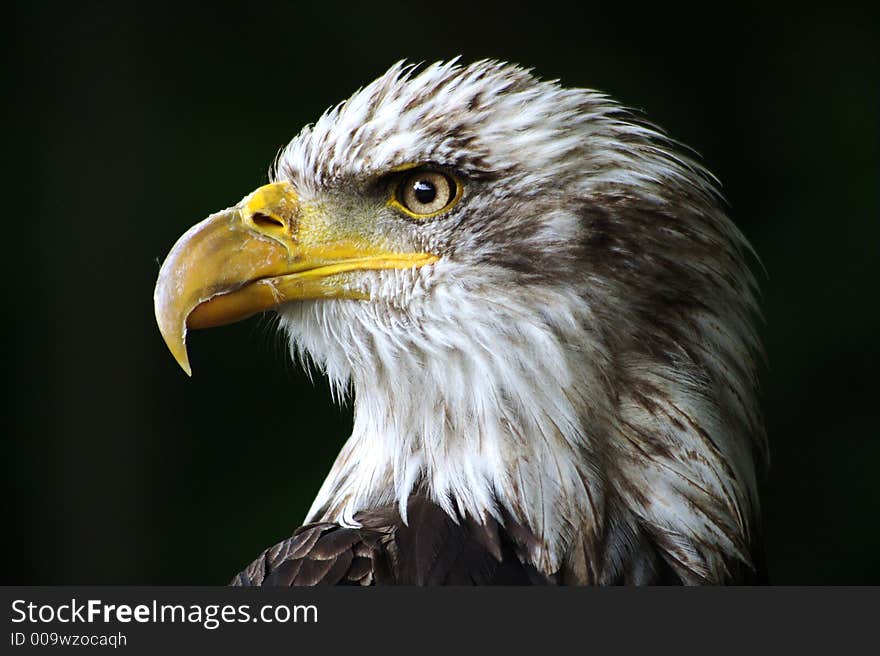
(424, 191)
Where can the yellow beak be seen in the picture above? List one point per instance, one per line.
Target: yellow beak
(261, 253)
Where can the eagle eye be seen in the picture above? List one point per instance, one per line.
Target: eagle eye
(425, 193)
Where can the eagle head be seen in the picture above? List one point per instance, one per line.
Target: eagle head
(540, 307)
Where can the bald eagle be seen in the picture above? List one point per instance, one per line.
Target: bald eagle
(544, 316)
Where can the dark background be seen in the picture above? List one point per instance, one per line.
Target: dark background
(128, 122)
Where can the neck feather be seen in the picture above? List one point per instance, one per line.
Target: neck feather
(487, 422)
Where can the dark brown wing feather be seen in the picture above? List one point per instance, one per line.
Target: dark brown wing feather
(322, 554)
(430, 549)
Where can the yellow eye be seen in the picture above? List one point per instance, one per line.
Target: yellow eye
(426, 193)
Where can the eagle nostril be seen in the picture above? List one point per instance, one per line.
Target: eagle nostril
(265, 221)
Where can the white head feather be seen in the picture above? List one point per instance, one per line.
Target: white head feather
(580, 359)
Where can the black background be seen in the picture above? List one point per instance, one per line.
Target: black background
(128, 122)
